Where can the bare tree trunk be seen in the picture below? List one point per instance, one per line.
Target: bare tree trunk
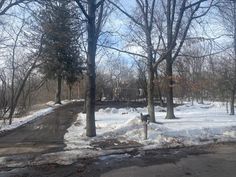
(18, 93)
(232, 102)
(159, 90)
(150, 83)
(160, 96)
(93, 29)
(70, 91)
(234, 82)
(84, 106)
(169, 80)
(192, 100)
(16, 96)
(150, 89)
(12, 110)
(29, 95)
(201, 98)
(227, 107)
(169, 73)
(13, 104)
(12, 107)
(58, 93)
(91, 74)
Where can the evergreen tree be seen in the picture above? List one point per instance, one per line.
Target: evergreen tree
(60, 53)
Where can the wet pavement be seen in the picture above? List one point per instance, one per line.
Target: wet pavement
(41, 135)
(220, 161)
(203, 161)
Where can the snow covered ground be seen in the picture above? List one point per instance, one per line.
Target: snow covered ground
(197, 124)
(49, 107)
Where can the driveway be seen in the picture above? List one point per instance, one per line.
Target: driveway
(42, 135)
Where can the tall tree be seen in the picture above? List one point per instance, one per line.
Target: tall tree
(172, 19)
(20, 64)
(227, 9)
(94, 14)
(179, 15)
(60, 54)
(145, 23)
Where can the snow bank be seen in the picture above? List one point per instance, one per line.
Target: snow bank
(23, 120)
(17, 122)
(196, 124)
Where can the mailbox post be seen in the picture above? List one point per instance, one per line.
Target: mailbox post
(145, 120)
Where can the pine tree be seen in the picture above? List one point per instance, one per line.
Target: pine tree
(60, 53)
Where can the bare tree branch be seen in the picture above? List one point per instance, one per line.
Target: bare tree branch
(3, 9)
(122, 51)
(125, 13)
(82, 8)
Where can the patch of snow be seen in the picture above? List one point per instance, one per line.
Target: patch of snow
(231, 134)
(23, 120)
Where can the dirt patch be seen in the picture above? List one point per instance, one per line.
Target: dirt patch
(108, 144)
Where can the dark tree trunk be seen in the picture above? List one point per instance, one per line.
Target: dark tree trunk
(169, 80)
(234, 82)
(58, 93)
(159, 90)
(201, 99)
(160, 96)
(12, 110)
(150, 90)
(227, 107)
(169, 62)
(150, 79)
(84, 106)
(70, 91)
(232, 102)
(16, 96)
(12, 105)
(91, 74)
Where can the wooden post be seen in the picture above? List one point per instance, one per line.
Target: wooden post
(145, 130)
(227, 107)
(145, 119)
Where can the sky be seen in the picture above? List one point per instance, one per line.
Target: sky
(118, 22)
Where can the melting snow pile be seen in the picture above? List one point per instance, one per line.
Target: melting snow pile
(197, 124)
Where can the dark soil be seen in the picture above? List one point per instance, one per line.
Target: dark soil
(114, 144)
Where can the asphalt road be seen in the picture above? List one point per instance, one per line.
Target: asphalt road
(206, 161)
(220, 163)
(41, 135)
